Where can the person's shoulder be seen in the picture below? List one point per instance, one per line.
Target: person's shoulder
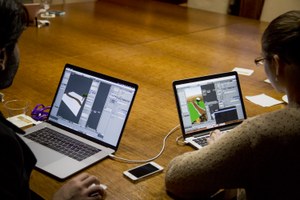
(286, 114)
(293, 110)
(279, 123)
(6, 133)
(281, 114)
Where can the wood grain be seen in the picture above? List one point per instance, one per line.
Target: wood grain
(152, 44)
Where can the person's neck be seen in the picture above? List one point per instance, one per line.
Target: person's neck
(294, 99)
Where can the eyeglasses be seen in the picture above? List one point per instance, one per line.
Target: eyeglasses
(260, 61)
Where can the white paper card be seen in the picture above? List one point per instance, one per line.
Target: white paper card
(263, 100)
(243, 71)
(22, 120)
(285, 98)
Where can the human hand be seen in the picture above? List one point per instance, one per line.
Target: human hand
(82, 187)
(214, 135)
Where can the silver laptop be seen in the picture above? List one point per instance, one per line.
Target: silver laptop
(208, 103)
(85, 123)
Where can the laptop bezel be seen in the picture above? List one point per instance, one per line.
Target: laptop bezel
(202, 78)
(102, 76)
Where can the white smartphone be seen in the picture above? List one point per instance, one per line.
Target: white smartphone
(143, 171)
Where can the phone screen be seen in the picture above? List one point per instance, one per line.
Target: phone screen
(143, 170)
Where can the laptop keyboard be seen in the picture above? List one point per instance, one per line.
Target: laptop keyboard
(202, 140)
(63, 144)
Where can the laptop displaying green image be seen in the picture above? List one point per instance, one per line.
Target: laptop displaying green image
(207, 103)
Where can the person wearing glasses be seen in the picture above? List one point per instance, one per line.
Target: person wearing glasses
(260, 158)
(17, 160)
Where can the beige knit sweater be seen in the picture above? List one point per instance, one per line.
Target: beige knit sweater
(261, 155)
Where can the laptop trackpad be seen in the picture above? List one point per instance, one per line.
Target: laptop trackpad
(44, 155)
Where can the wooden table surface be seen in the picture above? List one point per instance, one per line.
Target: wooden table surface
(149, 43)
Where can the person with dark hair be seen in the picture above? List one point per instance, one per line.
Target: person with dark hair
(13, 21)
(261, 156)
(17, 160)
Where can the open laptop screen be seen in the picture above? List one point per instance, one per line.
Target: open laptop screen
(92, 104)
(209, 102)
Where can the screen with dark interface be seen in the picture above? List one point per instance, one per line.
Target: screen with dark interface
(209, 103)
(93, 105)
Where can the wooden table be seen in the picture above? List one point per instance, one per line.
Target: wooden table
(147, 42)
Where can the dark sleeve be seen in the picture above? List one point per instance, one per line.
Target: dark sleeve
(14, 170)
(10, 167)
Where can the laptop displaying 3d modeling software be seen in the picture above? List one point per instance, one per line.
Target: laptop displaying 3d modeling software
(85, 123)
(208, 103)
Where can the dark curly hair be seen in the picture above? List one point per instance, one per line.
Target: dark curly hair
(13, 21)
(282, 38)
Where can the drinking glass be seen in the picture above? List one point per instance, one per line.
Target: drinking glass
(45, 5)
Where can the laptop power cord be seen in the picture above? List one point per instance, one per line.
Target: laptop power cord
(120, 159)
(180, 141)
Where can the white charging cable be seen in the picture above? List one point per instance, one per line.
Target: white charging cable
(151, 159)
